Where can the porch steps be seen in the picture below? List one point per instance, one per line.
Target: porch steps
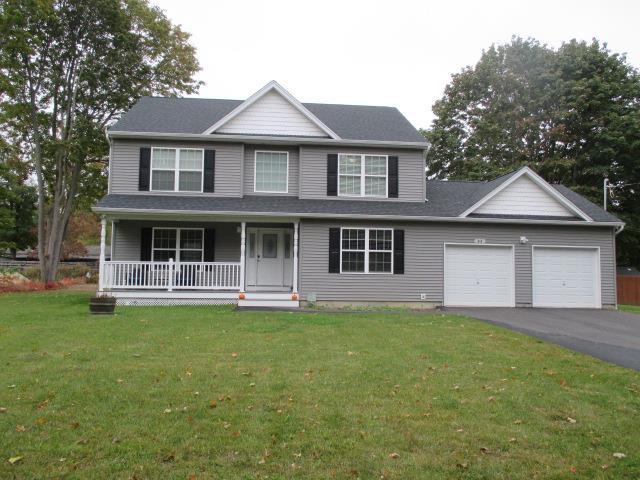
(268, 299)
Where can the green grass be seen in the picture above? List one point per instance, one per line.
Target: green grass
(300, 396)
(630, 308)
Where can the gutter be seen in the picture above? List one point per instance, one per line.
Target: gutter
(352, 216)
(266, 139)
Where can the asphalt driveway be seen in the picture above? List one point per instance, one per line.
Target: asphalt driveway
(605, 334)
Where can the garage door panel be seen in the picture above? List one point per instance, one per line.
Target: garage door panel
(478, 275)
(566, 277)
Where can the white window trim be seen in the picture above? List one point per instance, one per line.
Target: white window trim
(366, 251)
(177, 249)
(363, 176)
(255, 170)
(176, 170)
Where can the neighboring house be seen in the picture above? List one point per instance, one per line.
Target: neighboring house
(270, 201)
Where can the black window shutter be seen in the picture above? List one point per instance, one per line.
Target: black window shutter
(332, 175)
(334, 250)
(398, 251)
(146, 235)
(209, 245)
(209, 171)
(393, 177)
(144, 171)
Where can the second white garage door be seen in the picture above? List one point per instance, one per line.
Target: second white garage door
(479, 275)
(566, 277)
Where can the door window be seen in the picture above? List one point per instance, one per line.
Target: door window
(270, 245)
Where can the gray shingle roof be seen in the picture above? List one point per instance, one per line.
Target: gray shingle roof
(445, 199)
(195, 115)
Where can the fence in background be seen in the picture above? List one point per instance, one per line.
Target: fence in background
(628, 290)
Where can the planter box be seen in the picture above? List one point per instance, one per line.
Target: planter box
(102, 305)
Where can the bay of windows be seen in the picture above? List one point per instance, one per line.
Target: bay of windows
(176, 169)
(366, 250)
(362, 175)
(271, 172)
(180, 244)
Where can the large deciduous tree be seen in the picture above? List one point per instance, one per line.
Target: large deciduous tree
(572, 113)
(67, 69)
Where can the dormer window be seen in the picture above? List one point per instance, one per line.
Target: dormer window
(176, 169)
(362, 175)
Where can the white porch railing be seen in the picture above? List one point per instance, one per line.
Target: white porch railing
(171, 275)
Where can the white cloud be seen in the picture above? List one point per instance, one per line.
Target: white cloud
(399, 53)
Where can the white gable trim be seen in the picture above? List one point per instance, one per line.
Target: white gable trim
(272, 85)
(538, 180)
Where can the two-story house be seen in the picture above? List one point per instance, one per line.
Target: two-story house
(269, 201)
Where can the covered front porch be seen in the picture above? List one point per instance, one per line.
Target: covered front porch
(193, 261)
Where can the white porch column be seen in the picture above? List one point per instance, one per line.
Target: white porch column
(295, 257)
(243, 241)
(101, 269)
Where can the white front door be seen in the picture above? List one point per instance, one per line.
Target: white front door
(478, 276)
(268, 257)
(566, 277)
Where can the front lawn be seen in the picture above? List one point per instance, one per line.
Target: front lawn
(207, 392)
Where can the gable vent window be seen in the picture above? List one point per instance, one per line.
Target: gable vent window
(362, 175)
(271, 172)
(176, 169)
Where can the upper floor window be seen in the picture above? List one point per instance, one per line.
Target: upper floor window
(271, 172)
(362, 175)
(176, 169)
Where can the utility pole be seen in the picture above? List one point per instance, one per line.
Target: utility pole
(606, 186)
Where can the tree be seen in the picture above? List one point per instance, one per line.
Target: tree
(17, 208)
(572, 114)
(68, 68)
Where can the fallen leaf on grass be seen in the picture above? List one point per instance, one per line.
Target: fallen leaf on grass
(14, 460)
(234, 355)
(485, 450)
(517, 422)
(74, 426)
(167, 410)
(43, 404)
(619, 455)
(3, 410)
(82, 441)
(571, 420)
(213, 404)
(350, 353)
(41, 420)
(394, 455)
(236, 434)
(21, 428)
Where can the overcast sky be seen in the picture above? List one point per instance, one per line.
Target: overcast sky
(397, 53)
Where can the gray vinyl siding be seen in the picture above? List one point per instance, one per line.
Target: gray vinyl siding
(313, 177)
(249, 168)
(125, 160)
(126, 238)
(424, 259)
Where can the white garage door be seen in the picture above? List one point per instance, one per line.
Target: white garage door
(478, 275)
(566, 277)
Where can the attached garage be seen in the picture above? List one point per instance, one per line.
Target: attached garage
(479, 275)
(566, 277)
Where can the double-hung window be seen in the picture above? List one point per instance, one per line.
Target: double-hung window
(366, 250)
(271, 172)
(362, 175)
(180, 244)
(177, 169)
